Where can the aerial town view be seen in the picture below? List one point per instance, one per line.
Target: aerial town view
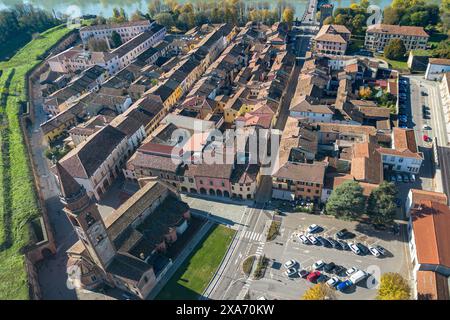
(225, 150)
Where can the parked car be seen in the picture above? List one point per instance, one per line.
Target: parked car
(413, 178)
(338, 270)
(426, 127)
(290, 272)
(303, 273)
(399, 177)
(344, 245)
(303, 239)
(341, 234)
(374, 251)
(329, 267)
(351, 271)
(358, 276)
(312, 239)
(333, 242)
(333, 282)
(323, 241)
(322, 278)
(393, 178)
(318, 264)
(344, 285)
(426, 138)
(313, 228)
(290, 264)
(313, 276)
(381, 250)
(363, 248)
(354, 248)
(405, 178)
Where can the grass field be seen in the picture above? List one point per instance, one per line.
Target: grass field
(191, 279)
(18, 203)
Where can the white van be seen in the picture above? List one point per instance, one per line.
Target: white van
(358, 276)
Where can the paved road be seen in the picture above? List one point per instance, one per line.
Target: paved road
(436, 121)
(231, 283)
(52, 271)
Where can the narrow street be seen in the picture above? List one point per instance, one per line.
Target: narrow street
(52, 271)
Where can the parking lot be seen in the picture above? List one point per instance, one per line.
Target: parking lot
(277, 285)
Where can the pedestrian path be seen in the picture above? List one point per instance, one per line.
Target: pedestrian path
(253, 236)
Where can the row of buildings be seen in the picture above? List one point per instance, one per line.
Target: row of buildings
(334, 39)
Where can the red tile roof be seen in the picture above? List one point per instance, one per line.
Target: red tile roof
(431, 225)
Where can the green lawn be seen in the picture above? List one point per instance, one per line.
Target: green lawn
(18, 203)
(191, 279)
(395, 64)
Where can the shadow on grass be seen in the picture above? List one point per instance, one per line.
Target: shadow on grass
(180, 287)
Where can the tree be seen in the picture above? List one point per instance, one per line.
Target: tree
(97, 45)
(288, 16)
(319, 292)
(116, 39)
(391, 16)
(328, 20)
(165, 19)
(381, 205)
(365, 93)
(442, 50)
(395, 50)
(358, 23)
(393, 287)
(137, 16)
(346, 201)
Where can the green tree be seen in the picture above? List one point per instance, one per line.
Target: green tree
(97, 45)
(381, 205)
(395, 50)
(393, 287)
(442, 50)
(346, 201)
(116, 39)
(319, 292)
(358, 23)
(391, 16)
(137, 16)
(165, 19)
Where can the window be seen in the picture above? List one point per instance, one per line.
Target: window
(89, 219)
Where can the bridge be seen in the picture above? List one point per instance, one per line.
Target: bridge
(310, 15)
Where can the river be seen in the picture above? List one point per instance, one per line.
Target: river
(104, 7)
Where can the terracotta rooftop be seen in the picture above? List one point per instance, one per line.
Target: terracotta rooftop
(67, 183)
(366, 162)
(432, 286)
(431, 225)
(404, 139)
(439, 61)
(305, 172)
(419, 195)
(396, 29)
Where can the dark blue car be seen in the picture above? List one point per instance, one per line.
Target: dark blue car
(344, 285)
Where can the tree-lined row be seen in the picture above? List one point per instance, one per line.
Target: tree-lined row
(24, 19)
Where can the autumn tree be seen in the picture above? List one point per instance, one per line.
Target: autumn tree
(288, 16)
(365, 93)
(393, 287)
(319, 292)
